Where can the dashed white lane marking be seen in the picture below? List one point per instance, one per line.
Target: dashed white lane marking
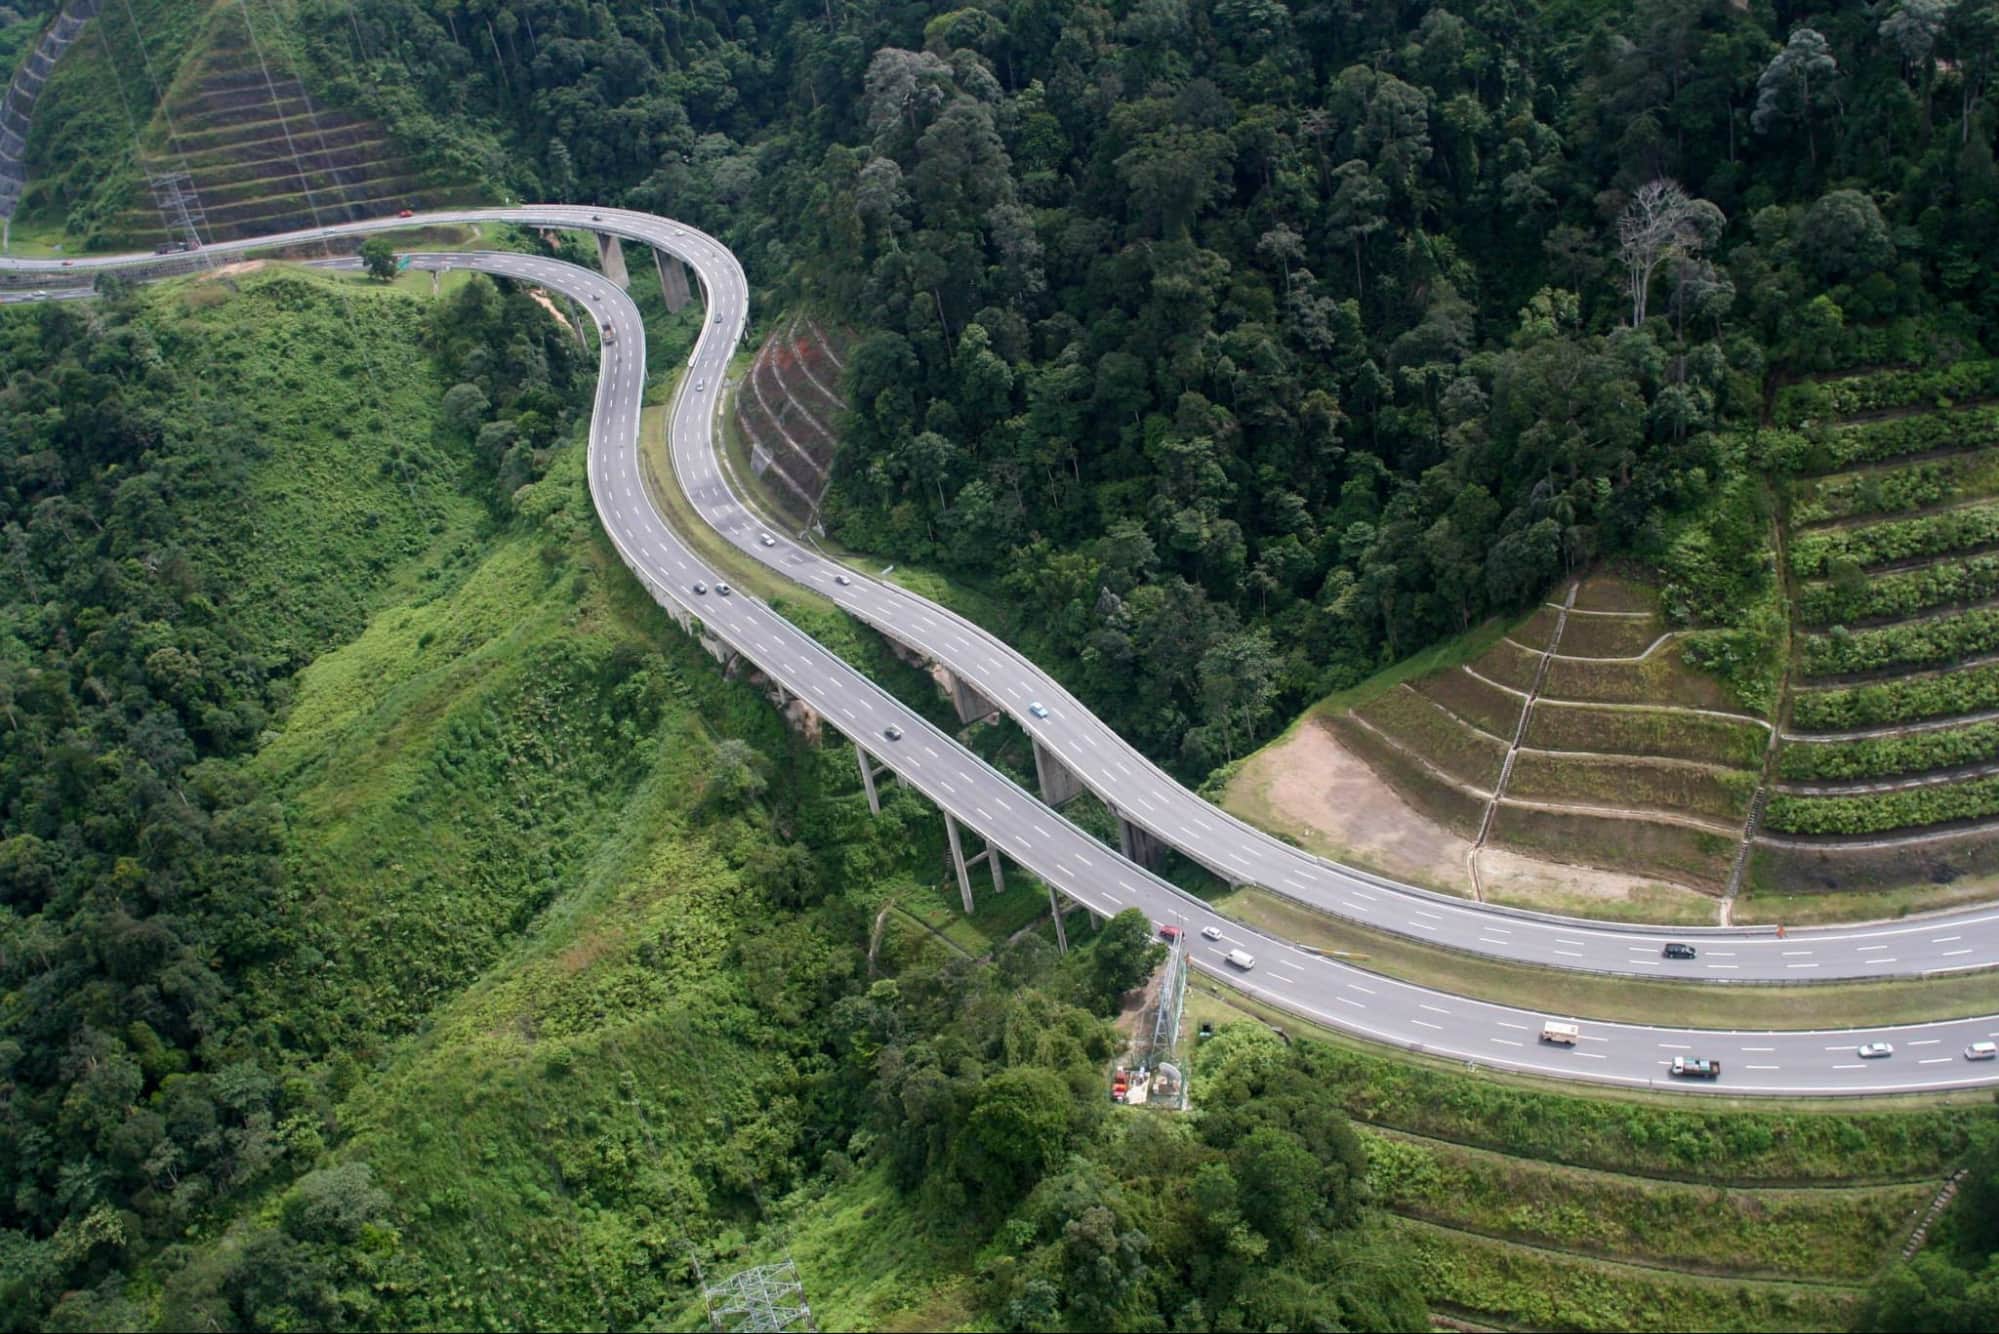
(1506, 1042)
(1936, 1060)
(1573, 954)
(1425, 1023)
(1518, 1027)
(1433, 1009)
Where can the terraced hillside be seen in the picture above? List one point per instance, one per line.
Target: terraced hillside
(1537, 1210)
(1888, 773)
(788, 412)
(205, 93)
(1581, 736)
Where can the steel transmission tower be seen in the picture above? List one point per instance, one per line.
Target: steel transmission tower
(180, 207)
(767, 1298)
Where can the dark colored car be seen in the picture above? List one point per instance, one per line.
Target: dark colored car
(1676, 950)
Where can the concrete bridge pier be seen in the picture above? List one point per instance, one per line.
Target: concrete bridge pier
(672, 280)
(972, 707)
(1138, 844)
(963, 864)
(1055, 908)
(1058, 783)
(611, 258)
(869, 772)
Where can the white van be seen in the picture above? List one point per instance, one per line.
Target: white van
(1982, 1051)
(1242, 959)
(1556, 1031)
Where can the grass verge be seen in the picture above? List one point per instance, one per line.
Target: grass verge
(1541, 1289)
(1825, 1234)
(1627, 1000)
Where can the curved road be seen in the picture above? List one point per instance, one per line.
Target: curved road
(1928, 1056)
(1123, 778)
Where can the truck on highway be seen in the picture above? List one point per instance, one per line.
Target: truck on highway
(1696, 1067)
(1556, 1031)
(1242, 959)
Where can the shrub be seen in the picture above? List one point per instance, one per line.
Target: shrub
(1912, 643)
(1825, 399)
(1898, 539)
(1878, 812)
(1905, 593)
(1885, 757)
(1909, 699)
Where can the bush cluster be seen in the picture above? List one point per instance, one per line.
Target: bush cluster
(1910, 644)
(1906, 700)
(1899, 539)
(1889, 756)
(1843, 601)
(1879, 812)
(1824, 448)
(1824, 400)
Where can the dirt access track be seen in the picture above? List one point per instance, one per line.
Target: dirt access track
(1310, 788)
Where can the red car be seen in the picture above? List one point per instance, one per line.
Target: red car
(1169, 933)
(406, 213)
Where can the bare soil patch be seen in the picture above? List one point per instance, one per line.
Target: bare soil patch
(1311, 788)
(1315, 790)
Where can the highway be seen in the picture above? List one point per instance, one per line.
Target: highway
(1927, 1056)
(1138, 790)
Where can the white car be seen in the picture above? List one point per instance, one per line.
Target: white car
(699, 385)
(767, 539)
(1211, 933)
(842, 580)
(1038, 709)
(1871, 1050)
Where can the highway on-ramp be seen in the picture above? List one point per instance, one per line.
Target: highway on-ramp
(1927, 1056)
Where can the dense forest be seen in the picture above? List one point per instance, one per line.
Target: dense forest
(1247, 345)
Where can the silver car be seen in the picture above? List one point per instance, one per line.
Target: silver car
(1871, 1050)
